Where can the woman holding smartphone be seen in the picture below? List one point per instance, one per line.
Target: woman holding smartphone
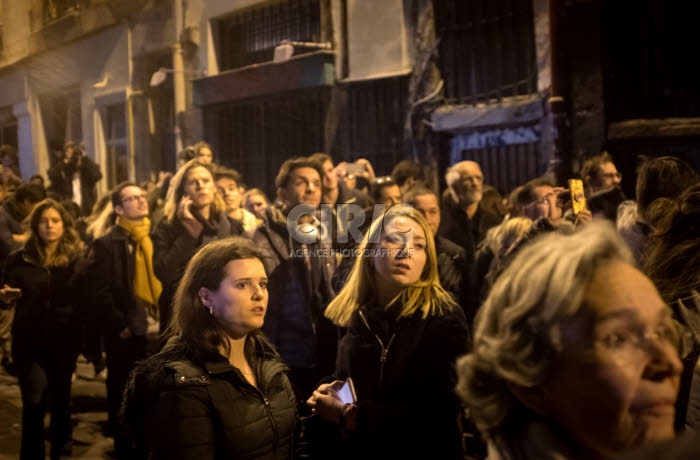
(403, 335)
(43, 280)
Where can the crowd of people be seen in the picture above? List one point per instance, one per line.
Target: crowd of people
(471, 324)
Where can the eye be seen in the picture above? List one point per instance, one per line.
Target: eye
(618, 339)
(263, 284)
(242, 284)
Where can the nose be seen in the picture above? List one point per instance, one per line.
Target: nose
(664, 361)
(616, 180)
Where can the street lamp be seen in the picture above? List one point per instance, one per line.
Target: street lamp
(161, 74)
(285, 49)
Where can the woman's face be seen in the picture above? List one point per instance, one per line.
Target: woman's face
(199, 186)
(400, 255)
(50, 226)
(616, 383)
(256, 204)
(240, 302)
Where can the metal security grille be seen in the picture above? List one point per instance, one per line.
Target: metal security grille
(250, 37)
(256, 136)
(487, 49)
(508, 166)
(371, 123)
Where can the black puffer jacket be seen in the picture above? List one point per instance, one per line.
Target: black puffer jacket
(48, 315)
(175, 408)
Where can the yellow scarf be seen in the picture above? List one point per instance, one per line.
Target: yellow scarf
(146, 285)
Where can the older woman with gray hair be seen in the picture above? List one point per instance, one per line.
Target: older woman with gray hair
(575, 354)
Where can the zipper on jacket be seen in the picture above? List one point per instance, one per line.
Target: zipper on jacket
(268, 411)
(385, 349)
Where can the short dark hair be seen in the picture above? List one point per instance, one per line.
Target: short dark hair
(416, 191)
(292, 164)
(33, 193)
(116, 193)
(222, 172)
(526, 194)
(662, 177)
(187, 154)
(379, 184)
(592, 166)
(404, 170)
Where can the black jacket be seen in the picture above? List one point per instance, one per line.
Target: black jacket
(407, 407)
(179, 409)
(112, 275)
(48, 315)
(61, 177)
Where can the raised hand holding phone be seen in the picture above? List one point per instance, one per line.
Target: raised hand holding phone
(347, 392)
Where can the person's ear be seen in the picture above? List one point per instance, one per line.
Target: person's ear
(205, 296)
(534, 398)
(118, 210)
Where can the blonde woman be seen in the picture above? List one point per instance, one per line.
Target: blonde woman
(193, 215)
(403, 334)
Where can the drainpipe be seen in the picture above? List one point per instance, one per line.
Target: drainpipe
(556, 99)
(130, 93)
(178, 78)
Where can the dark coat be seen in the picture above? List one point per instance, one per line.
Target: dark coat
(173, 247)
(407, 407)
(207, 410)
(61, 177)
(48, 315)
(466, 232)
(112, 275)
(294, 321)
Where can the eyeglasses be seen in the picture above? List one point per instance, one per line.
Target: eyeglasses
(129, 199)
(627, 344)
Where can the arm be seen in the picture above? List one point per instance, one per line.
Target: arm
(110, 316)
(89, 171)
(173, 246)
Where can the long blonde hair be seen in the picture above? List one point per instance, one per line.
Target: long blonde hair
(176, 190)
(426, 294)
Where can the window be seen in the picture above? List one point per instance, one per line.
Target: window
(487, 49)
(250, 36)
(116, 141)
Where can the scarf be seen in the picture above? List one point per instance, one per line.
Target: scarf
(146, 286)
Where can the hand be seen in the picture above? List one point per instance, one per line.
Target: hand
(369, 170)
(341, 170)
(125, 333)
(584, 217)
(9, 294)
(326, 403)
(183, 209)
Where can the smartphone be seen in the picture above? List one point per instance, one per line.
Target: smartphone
(347, 392)
(578, 198)
(354, 168)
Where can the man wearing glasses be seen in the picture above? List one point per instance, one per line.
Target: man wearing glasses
(602, 186)
(126, 292)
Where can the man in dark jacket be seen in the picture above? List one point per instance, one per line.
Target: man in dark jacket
(464, 221)
(126, 290)
(300, 275)
(74, 178)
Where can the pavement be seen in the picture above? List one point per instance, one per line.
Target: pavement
(89, 416)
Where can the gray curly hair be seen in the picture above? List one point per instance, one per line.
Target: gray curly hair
(518, 329)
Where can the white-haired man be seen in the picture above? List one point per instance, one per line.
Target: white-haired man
(463, 221)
